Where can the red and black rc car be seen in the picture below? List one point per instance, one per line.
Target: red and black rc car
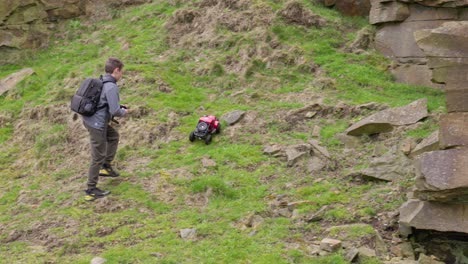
(206, 126)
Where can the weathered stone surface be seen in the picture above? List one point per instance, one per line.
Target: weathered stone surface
(319, 150)
(330, 244)
(353, 7)
(397, 40)
(423, 13)
(453, 130)
(233, 117)
(424, 259)
(417, 74)
(188, 233)
(315, 164)
(442, 170)
(384, 121)
(434, 216)
(367, 252)
(295, 152)
(392, 166)
(382, 12)
(445, 70)
(430, 143)
(351, 255)
(12, 80)
(272, 150)
(349, 142)
(448, 40)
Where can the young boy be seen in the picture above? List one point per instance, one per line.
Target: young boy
(103, 137)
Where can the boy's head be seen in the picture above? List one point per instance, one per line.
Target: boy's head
(114, 67)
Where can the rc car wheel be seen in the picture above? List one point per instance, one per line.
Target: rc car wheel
(208, 139)
(192, 137)
(218, 130)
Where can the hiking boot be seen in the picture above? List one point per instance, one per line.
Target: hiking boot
(94, 193)
(108, 171)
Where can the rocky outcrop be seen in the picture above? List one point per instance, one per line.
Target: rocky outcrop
(397, 37)
(385, 120)
(441, 195)
(28, 24)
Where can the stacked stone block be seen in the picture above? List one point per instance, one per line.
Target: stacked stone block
(441, 197)
(398, 20)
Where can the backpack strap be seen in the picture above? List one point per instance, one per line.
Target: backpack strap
(103, 82)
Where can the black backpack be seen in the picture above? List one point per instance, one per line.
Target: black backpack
(86, 99)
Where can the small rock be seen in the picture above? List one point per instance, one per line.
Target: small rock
(428, 144)
(284, 212)
(365, 251)
(310, 114)
(380, 246)
(253, 221)
(351, 254)
(271, 150)
(98, 260)
(322, 151)
(316, 131)
(314, 249)
(294, 205)
(406, 146)
(330, 244)
(315, 165)
(207, 162)
(294, 153)
(317, 216)
(424, 259)
(233, 117)
(157, 255)
(188, 233)
(350, 142)
(13, 236)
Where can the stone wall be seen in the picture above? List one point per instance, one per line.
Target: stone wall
(398, 20)
(441, 197)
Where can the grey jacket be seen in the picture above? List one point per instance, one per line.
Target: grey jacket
(109, 96)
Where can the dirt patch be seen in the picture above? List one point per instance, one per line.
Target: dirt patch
(196, 27)
(39, 233)
(229, 4)
(295, 13)
(110, 204)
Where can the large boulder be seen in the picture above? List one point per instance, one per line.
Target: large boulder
(450, 40)
(384, 121)
(434, 216)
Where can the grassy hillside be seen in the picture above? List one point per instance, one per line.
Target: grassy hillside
(185, 59)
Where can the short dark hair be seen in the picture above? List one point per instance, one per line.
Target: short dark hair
(112, 64)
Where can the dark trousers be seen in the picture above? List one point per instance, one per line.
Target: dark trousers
(104, 145)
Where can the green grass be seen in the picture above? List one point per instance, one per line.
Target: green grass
(164, 186)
